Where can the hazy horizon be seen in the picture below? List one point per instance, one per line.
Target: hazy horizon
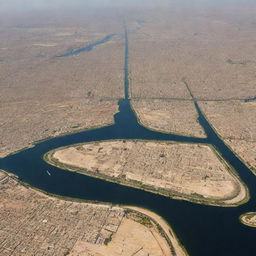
(24, 5)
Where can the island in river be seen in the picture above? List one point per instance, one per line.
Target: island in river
(192, 172)
(248, 219)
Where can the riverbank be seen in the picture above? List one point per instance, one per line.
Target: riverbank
(165, 229)
(165, 116)
(76, 227)
(236, 129)
(59, 119)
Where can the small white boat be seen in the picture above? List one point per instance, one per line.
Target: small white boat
(48, 173)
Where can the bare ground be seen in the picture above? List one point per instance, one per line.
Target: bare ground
(235, 122)
(246, 150)
(206, 51)
(43, 96)
(24, 122)
(179, 117)
(33, 223)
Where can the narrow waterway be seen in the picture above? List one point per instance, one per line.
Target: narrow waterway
(204, 230)
(87, 48)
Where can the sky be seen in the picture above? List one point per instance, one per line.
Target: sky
(44, 4)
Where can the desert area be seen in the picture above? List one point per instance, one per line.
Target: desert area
(33, 223)
(206, 54)
(45, 96)
(235, 122)
(169, 116)
(206, 50)
(128, 128)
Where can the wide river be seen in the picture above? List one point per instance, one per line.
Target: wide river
(204, 230)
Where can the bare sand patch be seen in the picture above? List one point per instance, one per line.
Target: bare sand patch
(33, 223)
(132, 238)
(165, 226)
(178, 117)
(185, 171)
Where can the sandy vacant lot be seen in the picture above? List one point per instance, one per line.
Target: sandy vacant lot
(136, 235)
(249, 219)
(188, 171)
(35, 224)
(169, 116)
(235, 121)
